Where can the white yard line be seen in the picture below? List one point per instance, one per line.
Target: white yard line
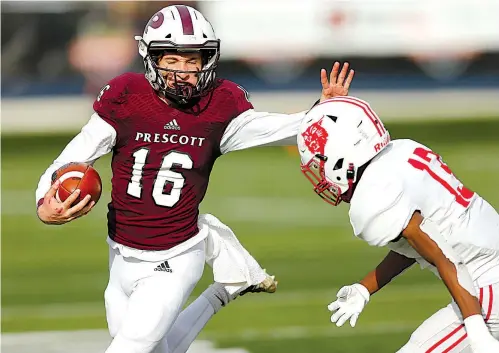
(90, 341)
(280, 299)
(290, 211)
(306, 332)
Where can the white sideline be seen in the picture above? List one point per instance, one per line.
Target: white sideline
(88, 341)
(58, 114)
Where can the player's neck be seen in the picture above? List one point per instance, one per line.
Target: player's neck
(347, 197)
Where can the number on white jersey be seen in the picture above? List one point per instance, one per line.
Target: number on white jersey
(165, 175)
(432, 163)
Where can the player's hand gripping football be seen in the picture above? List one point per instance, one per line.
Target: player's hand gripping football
(338, 84)
(350, 303)
(52, 211)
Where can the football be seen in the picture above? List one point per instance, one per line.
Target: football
(77, 176)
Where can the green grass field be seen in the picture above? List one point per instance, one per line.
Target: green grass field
(53, 277)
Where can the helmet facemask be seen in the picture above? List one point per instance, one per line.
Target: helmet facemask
(168, 82)
(329, 191)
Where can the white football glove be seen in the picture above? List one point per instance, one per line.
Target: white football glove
(487, 345)
(350, 303)
(479, 336)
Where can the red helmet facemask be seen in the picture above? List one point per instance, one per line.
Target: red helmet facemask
(328, 191)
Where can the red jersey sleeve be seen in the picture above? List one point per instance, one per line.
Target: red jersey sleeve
(110, 104)
(241, 99)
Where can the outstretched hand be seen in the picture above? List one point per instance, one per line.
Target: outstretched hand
(338, 83)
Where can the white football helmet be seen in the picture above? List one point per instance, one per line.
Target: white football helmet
(179, 28)
(336, 138)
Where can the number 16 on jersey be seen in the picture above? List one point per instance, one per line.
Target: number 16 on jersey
(165, 175)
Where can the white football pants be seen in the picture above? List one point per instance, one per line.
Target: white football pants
(143, 299)
(444, 331)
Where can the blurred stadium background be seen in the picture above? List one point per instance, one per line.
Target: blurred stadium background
(431, 69)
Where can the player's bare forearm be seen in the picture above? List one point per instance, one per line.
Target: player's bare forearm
(431, 252)
(391, 266)
(468, 304)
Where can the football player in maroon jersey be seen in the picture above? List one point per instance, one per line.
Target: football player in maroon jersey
(166, 129)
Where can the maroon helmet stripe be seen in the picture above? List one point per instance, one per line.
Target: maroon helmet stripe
(186, 19)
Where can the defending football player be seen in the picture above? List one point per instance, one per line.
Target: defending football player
(403, 196)
(166, 129)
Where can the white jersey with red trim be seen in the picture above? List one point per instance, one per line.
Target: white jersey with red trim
(407, 177)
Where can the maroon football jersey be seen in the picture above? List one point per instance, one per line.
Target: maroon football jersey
(162, 159)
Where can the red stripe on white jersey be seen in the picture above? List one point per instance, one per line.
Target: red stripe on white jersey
(446, 338)
(452, 346)
(491, 301)
(457, 329)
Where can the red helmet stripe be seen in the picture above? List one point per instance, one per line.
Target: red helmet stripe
(365, 107)
(361, 102)
(186, 19)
